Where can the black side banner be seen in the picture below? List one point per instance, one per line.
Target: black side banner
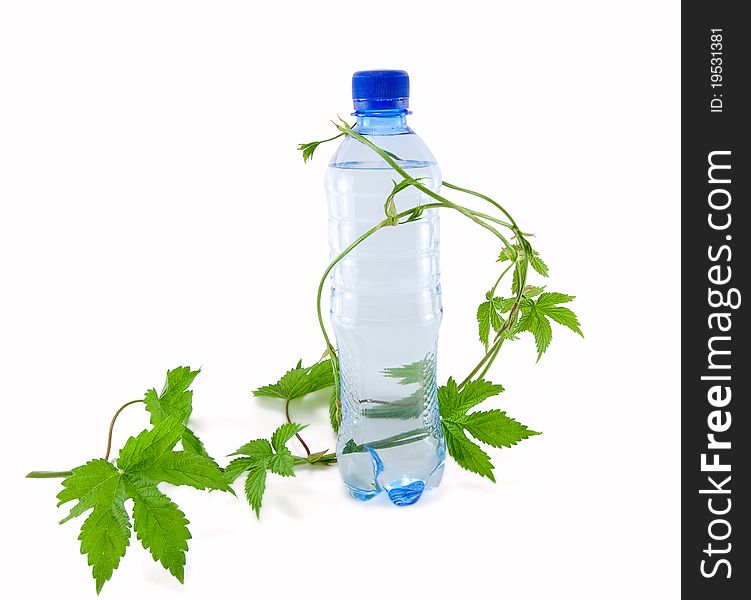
(716, 362)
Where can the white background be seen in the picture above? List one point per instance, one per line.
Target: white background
(155, 212)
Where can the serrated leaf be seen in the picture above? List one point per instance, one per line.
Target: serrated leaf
(160, 525)
(492, 427)
(335, 410)
(452, 403)
(465, 452)
(89, 484)
(260, 456)
(538, 264)
(551, 298)
(300, 381)
(530, 291)
(255, 485)
(536, 315)
(237, 467)
(282, 463)
(149, 446)
(508, 253)
(495, 428)
(192, 444)
(175, 398)
(308, 149)
(144, 461)
(517, 255)
(539, 327)
(489, 316)
(184, 468)
(256, 450)
(284, 433)
(487, 319)
(105, 535)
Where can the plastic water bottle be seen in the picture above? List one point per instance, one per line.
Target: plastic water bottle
(385, 302)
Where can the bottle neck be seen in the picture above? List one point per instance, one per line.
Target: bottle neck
(383, 122)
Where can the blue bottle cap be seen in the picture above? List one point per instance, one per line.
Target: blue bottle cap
(380, 90)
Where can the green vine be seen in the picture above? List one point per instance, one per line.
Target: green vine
(170, 452)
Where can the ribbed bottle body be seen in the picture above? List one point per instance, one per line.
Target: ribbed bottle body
(386, 312)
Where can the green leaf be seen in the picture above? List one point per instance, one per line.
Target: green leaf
(538, 264)
(516, 254)
(466, 453)
(282, 463)
(453, 403)
(256, 450)
(536, 315)
(150, 456)
(255, 486)
(284, 433)
(143, 462)
(489, 316)
(175, 397)
(492, 427)
(308, 150)
(509, 253)
(530, 291)
(160, 525)
(151, 445)
(191, 443)
(105, 533)
(185, 468)
(89, 484)
(237, 467)
(300, 381)
(260, 456)
(317, 456)
(487, 319)
(495, 428)
(534, 322)
(335, 410)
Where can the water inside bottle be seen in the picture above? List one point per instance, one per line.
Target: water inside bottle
(386, 313)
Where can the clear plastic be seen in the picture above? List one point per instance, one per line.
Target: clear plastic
(386, 312)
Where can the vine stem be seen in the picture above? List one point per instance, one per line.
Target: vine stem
(476, 216)
(492, 353)
(112, 426)
(326, 459)
(341, 255)
(63, 474)
(451, 186)
(297, 435)
(49, 474)
(497, 281)
(427, 191)
(489, 356)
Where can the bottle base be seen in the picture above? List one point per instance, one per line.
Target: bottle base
(407, 493)
(361, 495)
(402, 493)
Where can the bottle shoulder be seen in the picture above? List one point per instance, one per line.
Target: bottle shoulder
(408, 148)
